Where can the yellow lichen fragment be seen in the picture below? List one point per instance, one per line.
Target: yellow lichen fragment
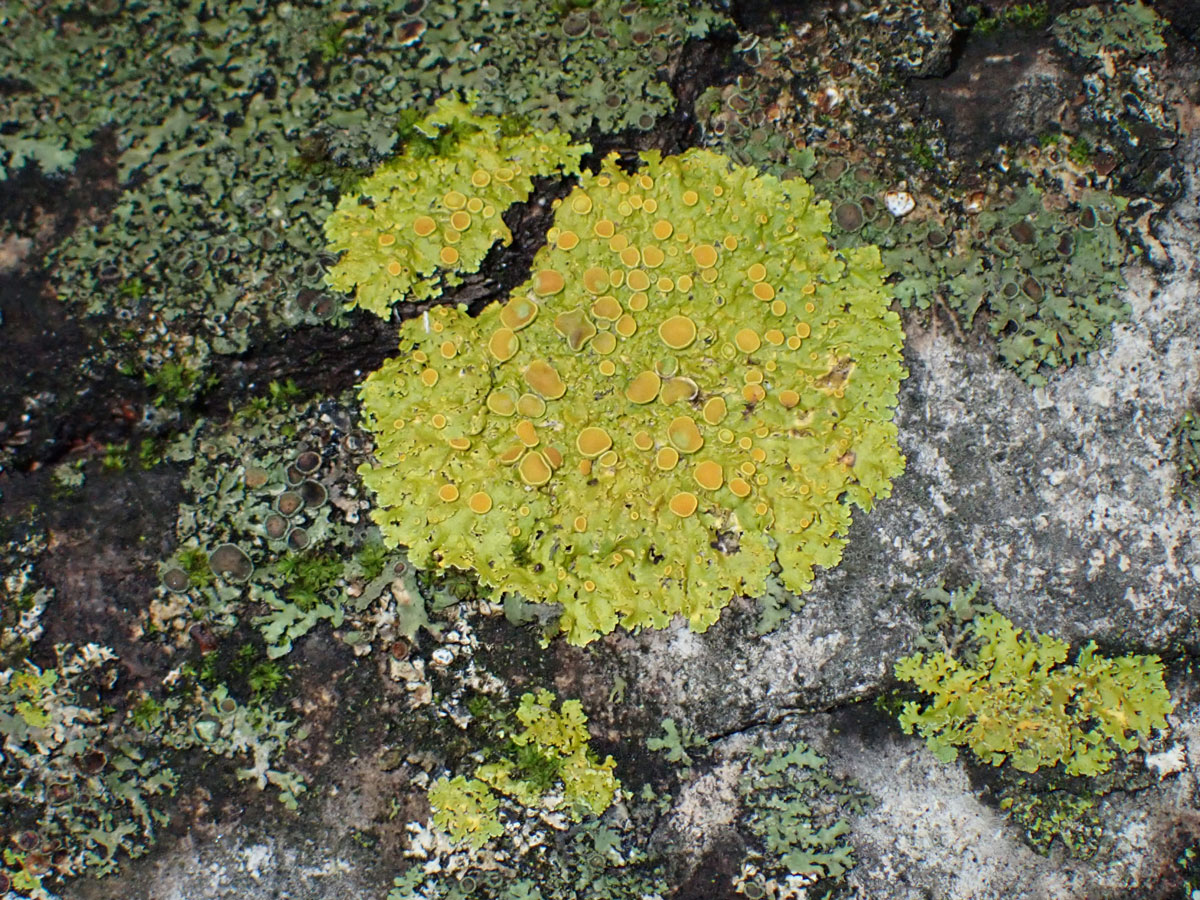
(666, 458)
(399, 209)
(480, 502)
(448, 493)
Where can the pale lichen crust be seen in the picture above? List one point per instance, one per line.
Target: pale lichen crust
(691, 386)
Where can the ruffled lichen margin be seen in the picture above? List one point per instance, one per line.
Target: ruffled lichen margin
(690, 391)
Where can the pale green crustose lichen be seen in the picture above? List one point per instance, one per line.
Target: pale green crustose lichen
(691, 386)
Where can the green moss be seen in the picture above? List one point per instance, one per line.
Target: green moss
(688, 361)
(1017, 702)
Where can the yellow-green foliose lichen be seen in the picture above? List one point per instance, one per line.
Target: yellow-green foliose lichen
(420, 222)
(1016, 701)
(691, 386)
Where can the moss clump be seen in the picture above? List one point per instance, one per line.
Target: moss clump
(1015, 701)
(690, 387)
(421, 221)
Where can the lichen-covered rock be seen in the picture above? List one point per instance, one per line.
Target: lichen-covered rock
(690, 388)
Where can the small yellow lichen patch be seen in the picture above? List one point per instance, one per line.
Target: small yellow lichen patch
(480, 502)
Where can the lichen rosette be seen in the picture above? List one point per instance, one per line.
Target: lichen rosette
(691, 388)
